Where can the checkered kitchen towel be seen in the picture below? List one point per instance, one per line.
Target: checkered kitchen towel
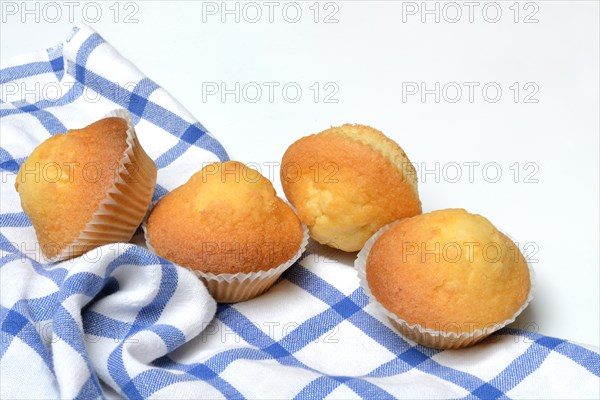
(121, 322)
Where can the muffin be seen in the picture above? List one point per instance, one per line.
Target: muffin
(227, 224)
(347, 182)
(446, 279)
(87, 187)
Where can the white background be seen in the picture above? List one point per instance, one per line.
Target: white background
(372, 55)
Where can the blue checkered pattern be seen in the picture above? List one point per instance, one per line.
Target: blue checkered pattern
(120, 321)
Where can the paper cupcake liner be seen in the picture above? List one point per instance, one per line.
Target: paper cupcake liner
(233, 288)
(415, 332)
(122, 210)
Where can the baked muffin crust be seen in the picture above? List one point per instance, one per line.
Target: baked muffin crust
(347, 182)
(448, 271)
(63, 181)
(225, 219)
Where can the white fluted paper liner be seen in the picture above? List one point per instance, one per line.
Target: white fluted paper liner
(122, 210)
(233, 288)
(415, 332)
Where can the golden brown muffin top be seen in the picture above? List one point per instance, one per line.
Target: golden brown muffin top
(380, 143)
(63, 181)
(225, 219)
(347, 182)
(448, 270)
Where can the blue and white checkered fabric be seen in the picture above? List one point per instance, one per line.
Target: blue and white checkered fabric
(119, 321)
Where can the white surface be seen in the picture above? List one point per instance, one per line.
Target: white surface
(368, 54)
